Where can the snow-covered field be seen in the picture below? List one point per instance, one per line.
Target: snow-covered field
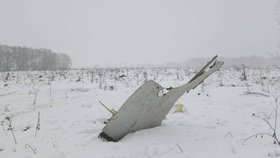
(219, 114)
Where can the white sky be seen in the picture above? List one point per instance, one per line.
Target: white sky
(145, 31)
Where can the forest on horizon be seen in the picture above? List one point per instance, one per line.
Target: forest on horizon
(14, 58)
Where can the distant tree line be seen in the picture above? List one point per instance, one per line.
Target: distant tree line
(22, 58)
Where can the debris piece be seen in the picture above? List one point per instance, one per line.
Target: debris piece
(179, 108)
(147, 108)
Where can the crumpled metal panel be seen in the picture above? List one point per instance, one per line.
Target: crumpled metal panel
(145, 108)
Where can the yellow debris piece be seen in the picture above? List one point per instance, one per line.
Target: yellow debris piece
(179, 108)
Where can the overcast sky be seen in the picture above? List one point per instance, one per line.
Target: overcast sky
(102, 32)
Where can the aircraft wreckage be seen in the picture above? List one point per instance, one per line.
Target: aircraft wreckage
(148, 106)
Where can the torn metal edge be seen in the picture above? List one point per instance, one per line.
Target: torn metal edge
(106, 137)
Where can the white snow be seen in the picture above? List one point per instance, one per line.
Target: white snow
(215, 124)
